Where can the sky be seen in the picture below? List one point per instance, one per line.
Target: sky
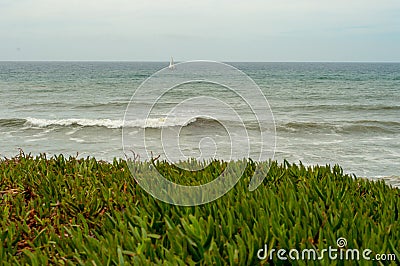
(220, 30)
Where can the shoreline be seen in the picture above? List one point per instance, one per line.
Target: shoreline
(392, 180)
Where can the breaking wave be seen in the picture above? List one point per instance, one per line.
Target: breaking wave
(107, 123)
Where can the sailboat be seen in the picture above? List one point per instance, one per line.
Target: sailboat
(171, 63)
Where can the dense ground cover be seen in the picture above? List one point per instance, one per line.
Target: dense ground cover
(83, 211)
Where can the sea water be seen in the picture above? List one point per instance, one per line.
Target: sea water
(324, 113)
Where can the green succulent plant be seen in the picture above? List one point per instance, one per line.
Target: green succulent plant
(69, 211)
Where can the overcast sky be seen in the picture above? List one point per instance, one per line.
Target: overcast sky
(222, 30)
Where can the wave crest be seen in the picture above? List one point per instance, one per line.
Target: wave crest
(108, 123)
(361, 126)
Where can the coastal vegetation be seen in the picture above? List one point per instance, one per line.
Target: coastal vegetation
(70, 211)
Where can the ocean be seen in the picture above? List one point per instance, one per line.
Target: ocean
(323, 113)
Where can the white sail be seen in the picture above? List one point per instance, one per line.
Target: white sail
(171, 63)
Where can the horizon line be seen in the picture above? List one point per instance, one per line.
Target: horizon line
(157, 61)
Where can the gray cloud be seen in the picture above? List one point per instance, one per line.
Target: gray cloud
(255, 30)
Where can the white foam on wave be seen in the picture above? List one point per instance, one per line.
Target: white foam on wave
(162, 122)
(108, 123)
(36, 140)
(39, 122)
(78, 140)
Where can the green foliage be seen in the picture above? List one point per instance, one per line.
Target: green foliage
(69, 211)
